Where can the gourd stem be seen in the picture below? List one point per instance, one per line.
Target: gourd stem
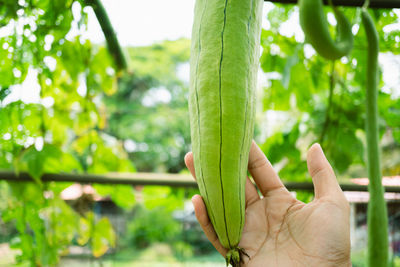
(234, 257)
(366, 4)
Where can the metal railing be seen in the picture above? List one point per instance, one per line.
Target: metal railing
(353, 3)
(166, 179)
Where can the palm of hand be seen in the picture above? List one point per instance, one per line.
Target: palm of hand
(283, 231)
(280, 230)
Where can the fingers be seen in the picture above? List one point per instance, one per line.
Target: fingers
(251, 194)
(261, 170)
(205, 223)
(189, 163)
(324, 179)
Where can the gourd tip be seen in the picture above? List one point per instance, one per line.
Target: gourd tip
(234, 256)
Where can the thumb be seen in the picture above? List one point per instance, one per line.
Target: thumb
(324, 179)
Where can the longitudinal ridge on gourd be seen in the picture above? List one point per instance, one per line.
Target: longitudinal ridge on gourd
(220, 123)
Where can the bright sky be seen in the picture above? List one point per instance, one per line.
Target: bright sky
(139, 23)
(143, 22)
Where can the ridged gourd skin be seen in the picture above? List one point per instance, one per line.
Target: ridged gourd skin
(377, 211)
(316, 30)
(223, 78)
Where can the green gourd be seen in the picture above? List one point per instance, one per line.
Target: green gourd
(223, 76)
(316, 30)
(377, 211)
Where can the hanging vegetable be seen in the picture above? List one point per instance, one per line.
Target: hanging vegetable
(377, 212)
(316, 31)
(223, 75)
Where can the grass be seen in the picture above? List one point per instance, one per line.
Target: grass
(158, 255)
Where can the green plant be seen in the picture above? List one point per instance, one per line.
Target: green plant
(298, 109)
(46, 226)
(377, 212)
(318, 35)
(97, 233)
(224, 63)
(55, 128)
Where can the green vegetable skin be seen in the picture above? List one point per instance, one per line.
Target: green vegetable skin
(223, 76)
(315, 28)
(377, 212)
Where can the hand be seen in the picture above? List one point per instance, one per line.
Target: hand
(282, 231)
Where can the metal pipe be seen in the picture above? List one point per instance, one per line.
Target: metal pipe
(351, 3)
(167, 179)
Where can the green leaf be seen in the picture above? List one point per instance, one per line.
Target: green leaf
(122, 195)
(155, 196)
(396, 135)
(85, 229)
(104, 237)
(36, 161)
(63, 163)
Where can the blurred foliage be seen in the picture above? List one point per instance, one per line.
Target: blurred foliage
(169, 198)
(315, 100)
(149, 110)
(46, 226)
(155, 220)
(52, 80)
(97, 232)
(122, 195)
(154, 225)
(63, 108)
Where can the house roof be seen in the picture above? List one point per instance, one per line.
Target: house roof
(75, 191)
(363, 197)
(386, 181)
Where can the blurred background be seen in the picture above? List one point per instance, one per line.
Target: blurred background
(76, 103)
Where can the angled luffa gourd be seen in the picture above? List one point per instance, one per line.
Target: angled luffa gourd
(223, 73)
(377, 210)
(316, 30)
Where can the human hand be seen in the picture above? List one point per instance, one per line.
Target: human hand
(280, 230)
